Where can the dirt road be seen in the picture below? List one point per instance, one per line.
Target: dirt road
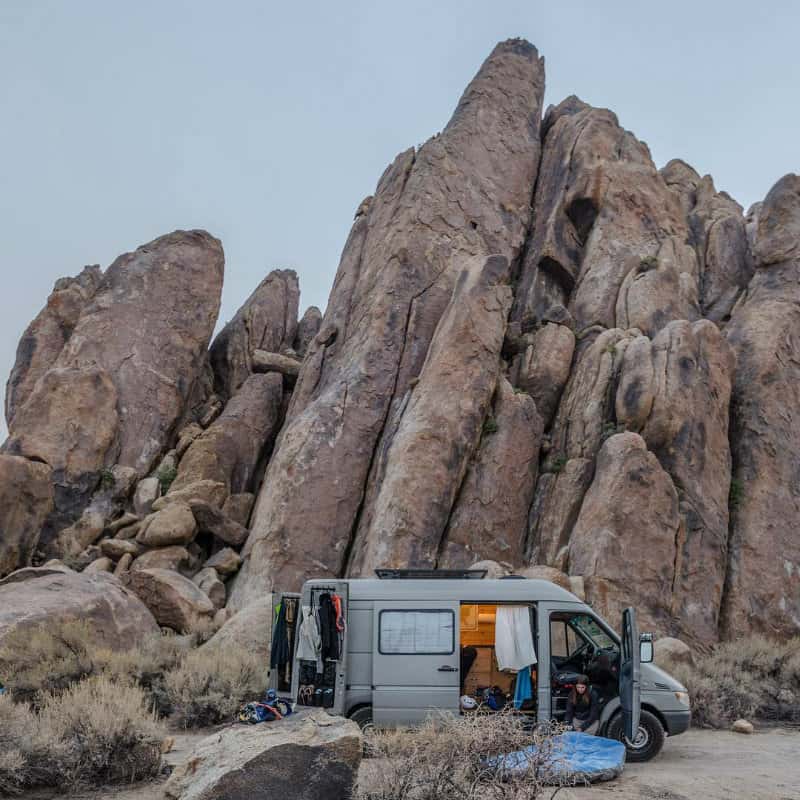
(710, 765)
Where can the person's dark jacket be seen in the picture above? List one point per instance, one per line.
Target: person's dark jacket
(586, 713)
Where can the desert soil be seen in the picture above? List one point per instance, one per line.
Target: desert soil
(698, 765)
(710, 765)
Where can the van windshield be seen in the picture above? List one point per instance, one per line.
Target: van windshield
(590, 629)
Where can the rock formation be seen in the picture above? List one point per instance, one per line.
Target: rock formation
(540, 352)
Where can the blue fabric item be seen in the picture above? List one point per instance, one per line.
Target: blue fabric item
(523, 690)
(577, 756)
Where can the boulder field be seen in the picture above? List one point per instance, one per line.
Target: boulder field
(539, 349)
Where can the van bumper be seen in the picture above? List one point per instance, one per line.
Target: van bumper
(677, 721)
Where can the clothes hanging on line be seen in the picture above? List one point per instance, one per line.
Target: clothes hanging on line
(309, 643)
(280, 654)
(328, 630)
(513, 638)
(523, 690)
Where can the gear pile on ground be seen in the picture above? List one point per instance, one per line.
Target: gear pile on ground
(539, 349)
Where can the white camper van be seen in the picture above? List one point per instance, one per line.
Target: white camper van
(393, 650)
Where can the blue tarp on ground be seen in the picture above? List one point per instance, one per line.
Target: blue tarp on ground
(579, 756)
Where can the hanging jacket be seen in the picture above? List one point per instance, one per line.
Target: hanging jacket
(327, 628)
(308, 639)
(280, 653)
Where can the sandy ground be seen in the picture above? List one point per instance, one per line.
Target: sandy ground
(710, 765)
(698, 765)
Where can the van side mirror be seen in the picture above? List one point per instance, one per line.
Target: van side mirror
(645, 648)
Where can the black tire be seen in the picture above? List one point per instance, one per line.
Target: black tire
(648, 742)
(363, 717)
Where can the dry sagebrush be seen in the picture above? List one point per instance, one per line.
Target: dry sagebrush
(756, 678)
(209, 686)
(450, 758)
(95, 732)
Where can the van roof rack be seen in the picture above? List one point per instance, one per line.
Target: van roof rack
(430, 574)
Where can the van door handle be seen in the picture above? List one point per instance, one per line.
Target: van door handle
(447, 668)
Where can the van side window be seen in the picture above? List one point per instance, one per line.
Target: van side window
(416, 632)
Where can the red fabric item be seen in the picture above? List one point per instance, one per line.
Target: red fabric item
(337, 605)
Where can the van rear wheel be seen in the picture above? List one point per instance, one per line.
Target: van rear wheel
(363, 717)
(649, 738)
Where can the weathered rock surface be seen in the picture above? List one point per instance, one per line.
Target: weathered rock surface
(250, 629)
(319, 756)
(116, 617)
(173, 525)
(229, 451)
(45, 337)
(668, 650)
(208, 580)
(629, 516)
(126, 372)
(626, 425)
(763, 582)
(175, 557)
(266, 321)
(26, 497)
(675, 391)
(490, 516)
(463, 194)
(422, 469)
(174, 601)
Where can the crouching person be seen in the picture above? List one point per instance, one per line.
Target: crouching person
(583, 707)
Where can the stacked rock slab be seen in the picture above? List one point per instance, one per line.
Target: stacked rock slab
(121, 382)
(465, 193)
(763, 586)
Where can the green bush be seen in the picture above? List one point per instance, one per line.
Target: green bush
(166, 475)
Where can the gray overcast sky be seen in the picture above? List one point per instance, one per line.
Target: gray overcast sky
(266, 123)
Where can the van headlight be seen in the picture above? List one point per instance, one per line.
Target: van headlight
(682, 698)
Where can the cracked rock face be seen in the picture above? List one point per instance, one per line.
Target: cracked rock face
(465, 193)
(540, 352)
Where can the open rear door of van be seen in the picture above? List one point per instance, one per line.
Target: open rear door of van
(629, 687)
(310, 597)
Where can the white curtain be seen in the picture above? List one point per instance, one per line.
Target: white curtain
(513, 637)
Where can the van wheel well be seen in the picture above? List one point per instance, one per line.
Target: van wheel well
(656, 713)
(358, 707)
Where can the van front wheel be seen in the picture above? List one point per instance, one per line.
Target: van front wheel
(649, 738)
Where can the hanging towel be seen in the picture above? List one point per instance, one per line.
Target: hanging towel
(513, 639)
(308, 639)
(523, 690)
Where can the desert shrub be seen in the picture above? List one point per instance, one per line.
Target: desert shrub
(51, 660)
(754, 677)
(46, 659)
(490, 426)
(94, 732)
(209, 686)
(16, 724)
(451, 757)
(166, 475)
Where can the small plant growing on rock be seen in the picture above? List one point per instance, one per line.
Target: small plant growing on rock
(490, 426)
(559, 462)
(166, 475)
(647, 263)
(611, 429)
(107, 479)
(735, 494)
